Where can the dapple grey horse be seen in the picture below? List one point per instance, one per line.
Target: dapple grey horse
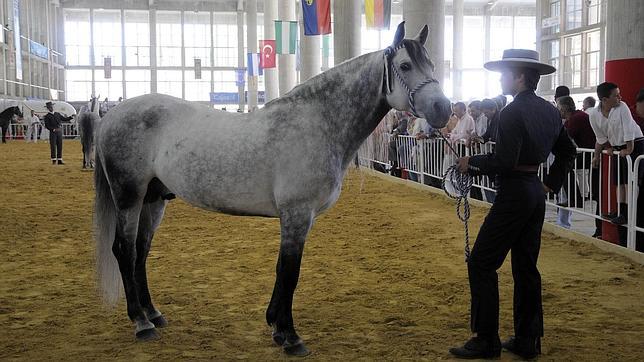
(297, 148)
(87, 122)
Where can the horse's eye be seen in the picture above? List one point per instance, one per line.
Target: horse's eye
(405, 66)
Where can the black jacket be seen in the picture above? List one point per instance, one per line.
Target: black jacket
(529, 129)
(55, 120)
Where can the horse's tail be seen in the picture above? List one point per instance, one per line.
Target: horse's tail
(109, 277)
(86, 122)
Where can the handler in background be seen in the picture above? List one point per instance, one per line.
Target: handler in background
(529, 129)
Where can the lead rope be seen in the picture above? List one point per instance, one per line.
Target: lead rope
(462, 183)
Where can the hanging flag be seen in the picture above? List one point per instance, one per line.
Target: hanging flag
(378, 13)
(325, 45)
(197, 68)
(285, 36)
(267, 48)
(317, 16)
(253, 64)
(107, 67)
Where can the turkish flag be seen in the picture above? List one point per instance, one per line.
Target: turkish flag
(267, 48)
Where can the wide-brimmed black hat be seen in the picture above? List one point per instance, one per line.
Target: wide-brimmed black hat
(520, 58)
(49, 104)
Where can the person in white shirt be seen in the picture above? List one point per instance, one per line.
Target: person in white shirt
(615, 129)
(34, 127)
(464, 128)
(480, 120)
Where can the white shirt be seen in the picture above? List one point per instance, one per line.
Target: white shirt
(617, 129)
(464, 129)
(481, 125)
(420, 125)
(35, 119)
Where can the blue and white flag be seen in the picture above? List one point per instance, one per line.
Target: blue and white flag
(253, 64)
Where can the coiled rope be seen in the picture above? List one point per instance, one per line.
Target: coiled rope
(462, 183)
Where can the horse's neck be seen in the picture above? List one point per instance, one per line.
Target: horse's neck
(349, 98)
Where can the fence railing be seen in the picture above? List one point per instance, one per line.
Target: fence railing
(426, 160)
(18, 131)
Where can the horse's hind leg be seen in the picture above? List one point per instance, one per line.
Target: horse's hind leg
(151, 215)
(295, 225)
(124, 250)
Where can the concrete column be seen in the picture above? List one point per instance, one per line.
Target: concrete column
(625, 46)
(183, 57)
(416, 14)
(286, 62)
(624, 56)
(347, 17)
(251, 33)
(123, 75)
(457, 49)
(240, 54)
(153, 50)
(91, 50)
(271, 80)
(487, 48)
(310, 53)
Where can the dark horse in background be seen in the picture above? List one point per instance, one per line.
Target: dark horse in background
(87, 121)
(5, 119)
(298, 148)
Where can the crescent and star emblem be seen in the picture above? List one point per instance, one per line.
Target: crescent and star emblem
(267, 50)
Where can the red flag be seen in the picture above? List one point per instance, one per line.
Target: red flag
(267, 48)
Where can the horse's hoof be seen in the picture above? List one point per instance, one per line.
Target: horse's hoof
(147, 335)
(159, 321)
(298, 349)
(278, 338)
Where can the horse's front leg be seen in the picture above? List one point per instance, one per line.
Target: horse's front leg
(295, 225)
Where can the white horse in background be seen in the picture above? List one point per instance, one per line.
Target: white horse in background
(87, 121)
(298, 147)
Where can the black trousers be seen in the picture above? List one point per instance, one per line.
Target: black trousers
(56, 144)
(513, 223)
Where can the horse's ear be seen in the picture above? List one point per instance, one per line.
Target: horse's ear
(422, 35)
(400, 34)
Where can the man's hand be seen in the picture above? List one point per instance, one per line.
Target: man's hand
(595, 162)
(463, 164)
(624, 153)
(546, 189)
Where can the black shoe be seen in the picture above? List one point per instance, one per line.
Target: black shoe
(619, 220)
(524, 347)
(597, 234)
(60, 162)
(478, 347)
(53, 162)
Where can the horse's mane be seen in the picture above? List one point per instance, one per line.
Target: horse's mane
(324, 82)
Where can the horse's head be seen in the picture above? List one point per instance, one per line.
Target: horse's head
(409, 79)
(17, 111)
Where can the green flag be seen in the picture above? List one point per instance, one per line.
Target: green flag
(285, 36)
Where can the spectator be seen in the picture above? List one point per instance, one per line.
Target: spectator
(102, 110)
(34, 126)
(637, 110)
(501, 101)
(589, 102)
(400, 129)
(564, 216)
(578, 126)
(561, 91)
(615, 129)
(464, 128)
(491, 111)
(480, 120)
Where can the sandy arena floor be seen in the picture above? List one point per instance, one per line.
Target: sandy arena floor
(382, 278)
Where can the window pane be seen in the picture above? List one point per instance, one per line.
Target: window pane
(137, 82)
(137, 38)
(525, 34)
(224, 81)
(168, 38)
(197, 37)
(111, 88)
(573, 14)
(77, 37)
(225, 39)
(169, 82)
(197, 89)
(500, 29)
(78, 84)
(473, 43)
(107, 36)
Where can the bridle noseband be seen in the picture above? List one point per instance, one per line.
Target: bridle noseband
(389, 55)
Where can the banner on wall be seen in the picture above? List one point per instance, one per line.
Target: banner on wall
(38, 50)
(107, 67)
(16, 38)
(197, 68)
(239, 77)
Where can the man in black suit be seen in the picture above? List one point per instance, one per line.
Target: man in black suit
(53, 122)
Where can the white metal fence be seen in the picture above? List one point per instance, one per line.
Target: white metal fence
(18, 131)
(426, 160)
